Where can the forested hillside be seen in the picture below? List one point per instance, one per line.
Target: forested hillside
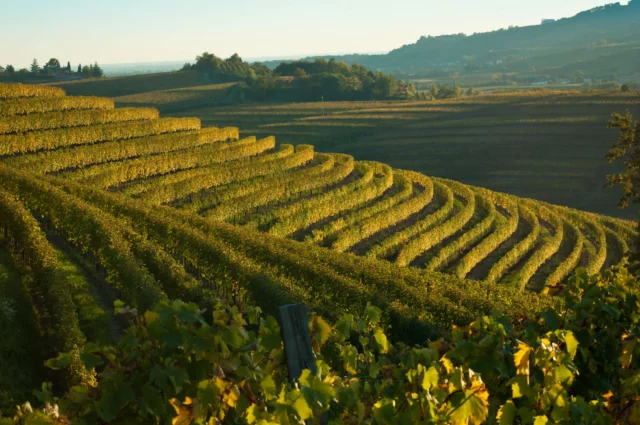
(506, 50)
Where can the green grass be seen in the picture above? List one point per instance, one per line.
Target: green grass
(134, 84)
(177, 99)
(92, 307)
(542, 145)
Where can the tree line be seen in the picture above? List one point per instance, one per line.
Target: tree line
(53, 67)
(304, 80)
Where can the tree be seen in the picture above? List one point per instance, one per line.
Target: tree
(69, 67)
(299, 72)
(96, 71)
(1, 68)
(10, 70)
(627, 146)
(53, 64)
(434, 91)
(235, 58)
(35, 67)
(79, 68)
(385, 86)
(625, 87)
(208, 62)
(449, 92)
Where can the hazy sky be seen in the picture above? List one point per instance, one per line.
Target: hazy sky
(120, 31)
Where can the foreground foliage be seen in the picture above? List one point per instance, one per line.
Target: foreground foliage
(572, 364)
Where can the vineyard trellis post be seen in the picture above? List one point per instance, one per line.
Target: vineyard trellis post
(296, 337)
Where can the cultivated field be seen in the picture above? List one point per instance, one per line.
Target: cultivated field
(543, 145)
(98, 203)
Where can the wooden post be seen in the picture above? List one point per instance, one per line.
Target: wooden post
(294, 323)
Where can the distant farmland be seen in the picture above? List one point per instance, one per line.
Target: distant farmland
(544, 145)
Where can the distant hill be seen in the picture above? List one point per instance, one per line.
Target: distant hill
(592, 33)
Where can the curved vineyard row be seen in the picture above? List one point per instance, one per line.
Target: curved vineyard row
(171, 231)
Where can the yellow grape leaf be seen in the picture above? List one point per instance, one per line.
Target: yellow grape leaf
(521, 359)
(540, 420)
(447, 364)
(231, 397)
(184, 411)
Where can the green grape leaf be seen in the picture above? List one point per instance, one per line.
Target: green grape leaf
(507, 413)
(373, 313)
(572, 343)
(381, 339)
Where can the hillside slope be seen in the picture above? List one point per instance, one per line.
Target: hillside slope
(516, 47)
(99, 203)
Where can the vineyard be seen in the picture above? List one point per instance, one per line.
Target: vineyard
(99, 203)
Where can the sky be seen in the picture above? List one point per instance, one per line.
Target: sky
(124, 31)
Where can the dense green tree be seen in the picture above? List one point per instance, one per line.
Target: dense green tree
(385, 86)
(96, 71)
(69, 67)
(53, 64)
(208, 62)
(625, 87)
(79, 68)
(35, 67)
(235, 58)
(628, 147)
(1, 68)
(10, 70)
(449, 92)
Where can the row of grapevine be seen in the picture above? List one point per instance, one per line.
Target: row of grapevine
(49, 290)
(12, 91)
(227, 173)
(520, 249)
(503, 230)
(599, 239)
(326, 173)
(573, 259)
(115, 173)
(64, 119)
(425, 241)
(401, 181)
(391, 244)
(321, 290)
(456, 248)
(38, 105)
(139, 188)
(102, 169)
(210, 198)
(368, 227)
(546, 250)
(92, 231)
(12, 144)
(302, 214)
(85, 155)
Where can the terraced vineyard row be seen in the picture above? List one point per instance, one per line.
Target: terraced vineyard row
(159, 208)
